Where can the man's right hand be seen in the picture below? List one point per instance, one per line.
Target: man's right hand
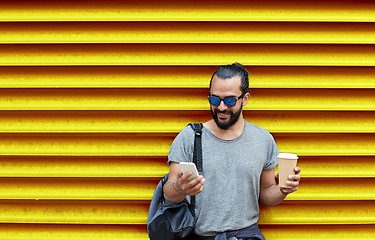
(191, 188)
(177, 186)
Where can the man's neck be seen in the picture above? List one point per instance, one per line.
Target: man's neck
(231, 133)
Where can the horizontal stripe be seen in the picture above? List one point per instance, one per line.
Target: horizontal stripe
(152, 167)
(73, 188)
(316, 232)
(319, 212)
(337, 167)
(72, 231)
(335, 189)
(330, 144)
(182, 77)
(138, 232)
(321, 11)
(84, 145)
(74, 166)
(182, 99)
(174, 121)
(73, 212)
(187, 54)
(135, 189)
(188, 32)
(151, 145)
(127, 212)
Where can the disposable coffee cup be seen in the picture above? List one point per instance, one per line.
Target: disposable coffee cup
(287, 164)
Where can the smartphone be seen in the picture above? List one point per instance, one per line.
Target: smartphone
(189, 167)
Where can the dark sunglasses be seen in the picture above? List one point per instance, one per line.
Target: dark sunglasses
(228, 101)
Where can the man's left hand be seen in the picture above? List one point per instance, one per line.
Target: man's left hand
(293, 181)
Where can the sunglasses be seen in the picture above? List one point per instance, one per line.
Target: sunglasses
(228, 101)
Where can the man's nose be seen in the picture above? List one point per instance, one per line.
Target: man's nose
(222, 106)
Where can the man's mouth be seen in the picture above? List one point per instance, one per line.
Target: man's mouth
(223, 115)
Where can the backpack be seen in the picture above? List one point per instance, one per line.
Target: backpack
(169, 220)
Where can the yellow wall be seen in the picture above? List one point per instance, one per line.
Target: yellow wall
(93, 93)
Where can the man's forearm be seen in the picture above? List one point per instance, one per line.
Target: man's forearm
(172, 192)
(272, 196)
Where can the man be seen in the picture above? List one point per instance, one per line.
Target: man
(238, 164)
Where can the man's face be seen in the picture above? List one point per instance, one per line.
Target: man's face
(225, 116)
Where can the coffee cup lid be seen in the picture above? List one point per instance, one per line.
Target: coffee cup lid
(288, 155)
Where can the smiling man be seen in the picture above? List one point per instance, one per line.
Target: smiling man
(238, 162)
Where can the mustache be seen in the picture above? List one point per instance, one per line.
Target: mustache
(223, 112)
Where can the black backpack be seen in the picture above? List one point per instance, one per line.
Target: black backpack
(174, 221)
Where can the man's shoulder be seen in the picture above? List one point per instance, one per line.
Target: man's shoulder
(186, 132)
(256, 132)
(255, 128)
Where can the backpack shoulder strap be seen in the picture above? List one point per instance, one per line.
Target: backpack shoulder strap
(197, 156)
(196, 126)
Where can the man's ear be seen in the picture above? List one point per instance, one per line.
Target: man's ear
(246, 98)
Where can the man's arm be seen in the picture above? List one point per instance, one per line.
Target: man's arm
(270, 193)
(177, 186)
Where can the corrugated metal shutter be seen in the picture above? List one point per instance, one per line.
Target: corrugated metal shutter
(92, 94)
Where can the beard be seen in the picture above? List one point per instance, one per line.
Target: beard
(234, 116)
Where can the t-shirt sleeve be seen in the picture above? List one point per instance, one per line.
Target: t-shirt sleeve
(273, 151)
(182, 147)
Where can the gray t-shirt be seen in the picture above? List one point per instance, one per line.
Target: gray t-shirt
(232, 169)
